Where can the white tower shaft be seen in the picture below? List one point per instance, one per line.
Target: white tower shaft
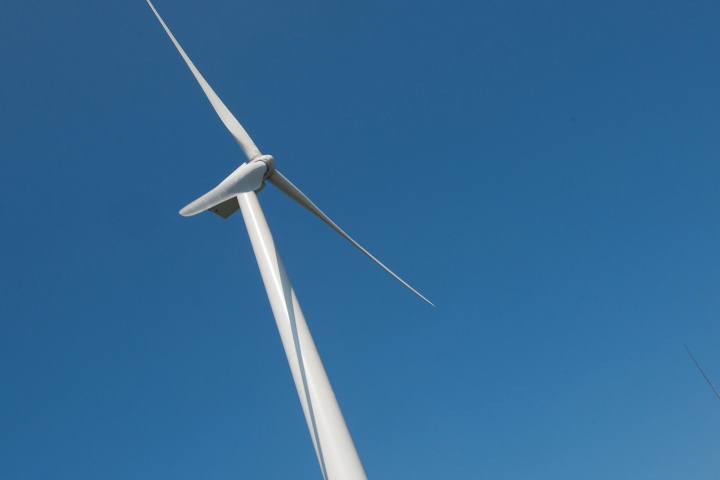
(333, 444)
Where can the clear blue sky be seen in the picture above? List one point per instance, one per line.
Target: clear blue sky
(548, 173)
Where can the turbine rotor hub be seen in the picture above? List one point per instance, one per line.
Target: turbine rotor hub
(269, 161)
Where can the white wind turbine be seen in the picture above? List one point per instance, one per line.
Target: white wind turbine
(330, 436)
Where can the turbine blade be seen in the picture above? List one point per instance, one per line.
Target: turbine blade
(701, 371)
(285, 186)
(237, 131)
(247, 177)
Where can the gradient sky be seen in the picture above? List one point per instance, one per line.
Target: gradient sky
(548, 173)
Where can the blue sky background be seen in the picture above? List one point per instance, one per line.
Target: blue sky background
(546, 172)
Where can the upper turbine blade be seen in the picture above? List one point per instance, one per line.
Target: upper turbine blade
(247, 177)
(237, 131)
(285, 186)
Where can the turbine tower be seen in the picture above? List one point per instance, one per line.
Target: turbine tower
(333, 444)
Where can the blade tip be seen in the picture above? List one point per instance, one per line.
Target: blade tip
(421, 296)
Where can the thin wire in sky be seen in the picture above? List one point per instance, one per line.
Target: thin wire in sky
(701, 371)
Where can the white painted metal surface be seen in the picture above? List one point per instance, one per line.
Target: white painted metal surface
(333, 445)
(247, 177)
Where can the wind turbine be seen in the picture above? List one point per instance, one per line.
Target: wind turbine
(333, 444)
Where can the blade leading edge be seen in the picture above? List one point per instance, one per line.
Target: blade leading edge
(285, 186)
(237, 131)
